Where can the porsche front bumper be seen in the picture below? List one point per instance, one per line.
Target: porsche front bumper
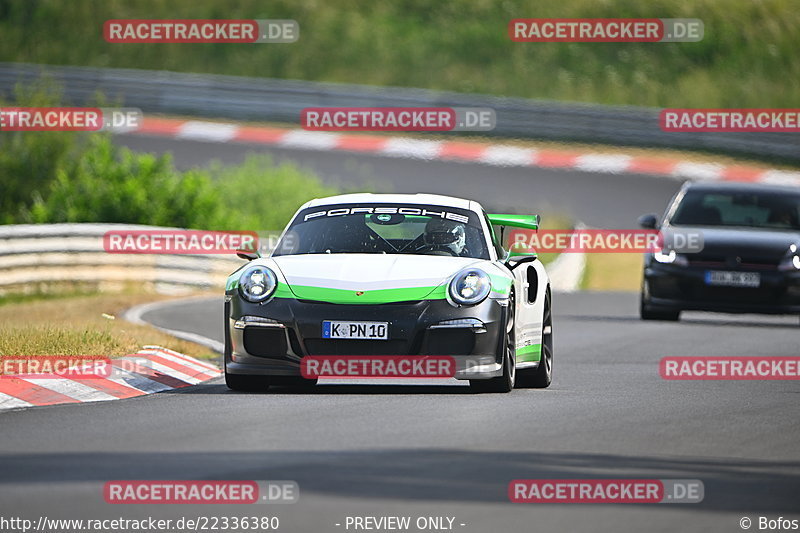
(271, 339)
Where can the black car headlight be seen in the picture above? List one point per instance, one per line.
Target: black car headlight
(469, 287)
(257, 284)
(670, 258)
(791, 261)
(790, 264)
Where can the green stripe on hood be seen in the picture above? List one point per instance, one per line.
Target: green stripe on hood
(500, 286)
(377, 296)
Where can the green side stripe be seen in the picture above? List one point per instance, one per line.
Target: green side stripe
(283, 291)
(529, 354)
(500, 284)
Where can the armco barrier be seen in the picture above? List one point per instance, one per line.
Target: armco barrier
(33, 254)
(265, 99)
(74, 253)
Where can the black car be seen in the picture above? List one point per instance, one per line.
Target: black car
(749, 262)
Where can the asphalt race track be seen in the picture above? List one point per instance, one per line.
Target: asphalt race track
(438, 450)
(602, 200)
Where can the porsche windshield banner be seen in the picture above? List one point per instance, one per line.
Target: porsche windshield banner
(448, 213)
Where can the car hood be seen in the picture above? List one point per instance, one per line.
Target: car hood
(368, 278)
(744, 241)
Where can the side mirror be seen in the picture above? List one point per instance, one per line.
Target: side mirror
(248, 254)
(515, 259)
(648, 221)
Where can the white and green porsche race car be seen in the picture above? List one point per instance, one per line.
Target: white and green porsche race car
(392, 275)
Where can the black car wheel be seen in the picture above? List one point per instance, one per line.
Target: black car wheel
(646, 312)
(504, 383)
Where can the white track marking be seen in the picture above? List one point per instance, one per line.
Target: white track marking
(9, 402)
(698, 171)
(508, 156)
(73, 389)
(310, 140)
(605, 163)
(207, 131)
(411, 148)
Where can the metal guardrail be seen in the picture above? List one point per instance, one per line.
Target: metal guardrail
(266, 99)
(73, 253)
(33, 255)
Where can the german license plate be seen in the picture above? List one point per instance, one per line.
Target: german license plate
(733, 279)
(340, 329)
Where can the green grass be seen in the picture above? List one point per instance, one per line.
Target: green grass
(612, 272)
(63, 177)
(43, 293)
(89, 324)
(747, 59)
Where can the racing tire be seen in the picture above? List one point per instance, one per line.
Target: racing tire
(504, 383)
(542, 376)
(648, 313)
(666, 316)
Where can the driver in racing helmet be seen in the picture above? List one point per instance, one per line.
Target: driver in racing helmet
(444, 234)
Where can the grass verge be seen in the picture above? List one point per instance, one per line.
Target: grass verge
(88, 324)
(612, 272)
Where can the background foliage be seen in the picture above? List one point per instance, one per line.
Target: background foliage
(748, 58)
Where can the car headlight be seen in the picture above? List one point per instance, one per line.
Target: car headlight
(791, 260)
(789, 264)
(470, 287)
(670, 258)
(257, 283)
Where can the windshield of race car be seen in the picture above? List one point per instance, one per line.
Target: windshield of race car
(755, 210)
(385, 229)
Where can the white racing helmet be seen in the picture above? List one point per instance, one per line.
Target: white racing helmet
(443, 233)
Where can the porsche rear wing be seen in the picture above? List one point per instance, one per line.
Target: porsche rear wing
(529, 222)
(515, 221)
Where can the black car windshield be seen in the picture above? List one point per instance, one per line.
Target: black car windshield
(385, 229)
(757, 209)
